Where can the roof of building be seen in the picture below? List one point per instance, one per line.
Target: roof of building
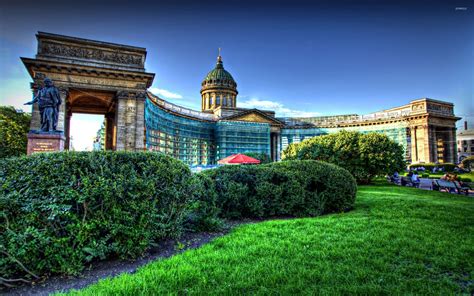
(466, 133)
(219, 75)
(179, 110)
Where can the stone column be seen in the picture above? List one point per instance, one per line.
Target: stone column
(425, 142)
(414, 145)
(109, 131)
(140, 121)
(130, 120)
(451, 153)
(433, 145)
(125, 108)
(67, 129)
(63, 93)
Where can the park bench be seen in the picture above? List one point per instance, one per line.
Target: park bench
(462, 188)
(394, 180)
(451, 186)
(406, 181)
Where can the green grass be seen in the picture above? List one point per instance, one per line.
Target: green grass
(396, 241)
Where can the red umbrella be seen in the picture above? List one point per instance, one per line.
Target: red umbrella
(239, 159)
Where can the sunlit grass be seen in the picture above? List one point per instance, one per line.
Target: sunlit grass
(396, 241)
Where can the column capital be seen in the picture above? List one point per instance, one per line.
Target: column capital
(63, 91)
(122, 94)
(134, 95)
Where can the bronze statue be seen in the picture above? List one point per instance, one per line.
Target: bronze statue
(48, 100)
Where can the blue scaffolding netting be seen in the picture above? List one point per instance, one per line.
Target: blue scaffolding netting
(189, 140)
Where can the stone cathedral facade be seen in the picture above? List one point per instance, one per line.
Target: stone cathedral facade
(110, 79)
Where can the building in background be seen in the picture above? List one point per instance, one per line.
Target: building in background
(95, 77)
(426, 128)
(465, 138)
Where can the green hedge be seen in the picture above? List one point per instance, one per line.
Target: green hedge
(447, 167)
(365, 156)
(204, 210)
(467, 163)
(292, 188)
(59, 211)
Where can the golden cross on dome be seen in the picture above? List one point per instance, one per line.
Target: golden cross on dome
(219, 51)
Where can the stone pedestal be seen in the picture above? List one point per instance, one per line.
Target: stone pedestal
(44, 142)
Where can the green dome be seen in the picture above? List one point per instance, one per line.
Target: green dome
(219, 76)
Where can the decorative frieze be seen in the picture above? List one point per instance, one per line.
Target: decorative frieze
(72, 51)
(440, 109)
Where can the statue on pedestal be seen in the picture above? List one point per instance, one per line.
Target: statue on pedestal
(48, 100)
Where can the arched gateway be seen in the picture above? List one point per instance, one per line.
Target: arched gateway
(92, 77)
(110, 79)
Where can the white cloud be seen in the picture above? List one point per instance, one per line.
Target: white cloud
(165, 93)
(279, 108)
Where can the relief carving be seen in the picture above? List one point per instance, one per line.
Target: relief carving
(90, 53)
(417, 107)
(443, 109)
(252, 117)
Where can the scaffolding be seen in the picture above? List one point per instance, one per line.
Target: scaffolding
(189, 140)
(296, 135)
(397, 131)
(240, 137)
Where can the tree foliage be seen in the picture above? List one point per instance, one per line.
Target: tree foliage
(467, 163)
(364, 155)
(14, 127)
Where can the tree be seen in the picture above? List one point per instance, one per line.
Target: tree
(467, 163)
(364, 155)
(14, 127)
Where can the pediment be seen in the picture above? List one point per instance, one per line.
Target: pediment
(254, 116)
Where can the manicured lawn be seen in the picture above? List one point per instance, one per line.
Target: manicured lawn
(396, 241)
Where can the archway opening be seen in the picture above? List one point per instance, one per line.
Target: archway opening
(87, 132)
(90, 120)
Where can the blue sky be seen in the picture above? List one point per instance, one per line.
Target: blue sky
(300, 58)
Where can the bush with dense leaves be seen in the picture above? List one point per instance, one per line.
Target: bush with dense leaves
(59, 211)
(14, 126)
(203, 210)
(468, 163)
(292, 188)
(363, 155)
(447, 167)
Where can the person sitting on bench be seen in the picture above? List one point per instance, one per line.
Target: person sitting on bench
(415, 180)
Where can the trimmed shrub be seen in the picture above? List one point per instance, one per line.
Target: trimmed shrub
(292, 188)
(363, 155)
(204, 210)
(59, 211)
(428, 166)
(447, 167)
(468, 163)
